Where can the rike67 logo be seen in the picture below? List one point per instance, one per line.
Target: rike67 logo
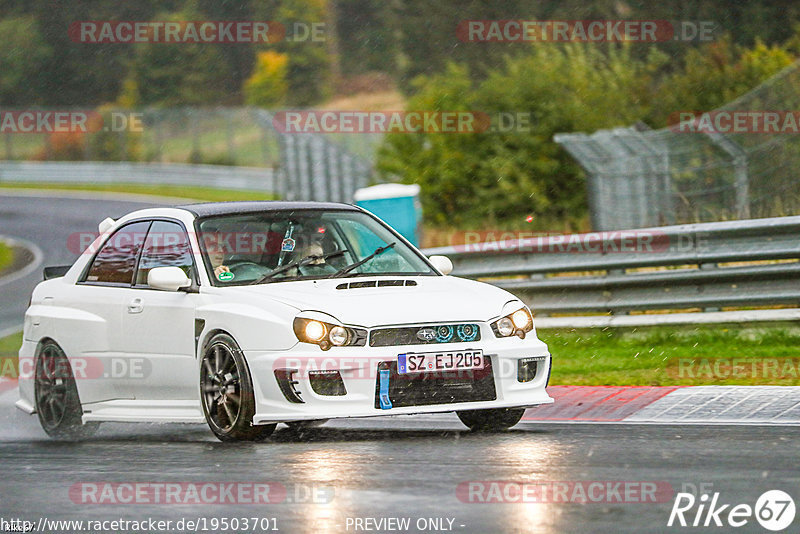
(774, 510)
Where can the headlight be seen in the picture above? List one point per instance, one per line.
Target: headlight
(505, 327)
(338, 336)
(315, 330)
(518, 323)
(521, 319)
(326, 334)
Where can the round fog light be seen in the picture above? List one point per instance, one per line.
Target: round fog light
(505, 327)
(315, 330)
(521, 319)
(338, 336)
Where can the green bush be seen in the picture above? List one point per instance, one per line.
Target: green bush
(501, 177)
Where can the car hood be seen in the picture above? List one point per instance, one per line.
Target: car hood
(432, 299)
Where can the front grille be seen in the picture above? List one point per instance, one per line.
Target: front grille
(424, 335)
(424, 389)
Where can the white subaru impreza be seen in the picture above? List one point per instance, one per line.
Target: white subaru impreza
(249, 314)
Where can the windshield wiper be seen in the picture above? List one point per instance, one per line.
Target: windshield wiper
(344, 270)
(299, 263)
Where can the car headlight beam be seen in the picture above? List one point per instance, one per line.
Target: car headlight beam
(521, 319)
(315, 330)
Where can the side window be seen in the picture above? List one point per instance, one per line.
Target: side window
(116, 260)
(167, 245)
(360, 237)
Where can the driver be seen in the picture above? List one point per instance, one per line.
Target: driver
(310, 244)
(217, 258)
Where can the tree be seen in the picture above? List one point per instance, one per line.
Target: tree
(267, 86)
(179, 74)
(367, 37)
(81, 74)
(21, 55)
(715, 74)
(309, 66)
(501, 177)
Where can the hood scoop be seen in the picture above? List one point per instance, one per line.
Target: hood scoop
(376, 283)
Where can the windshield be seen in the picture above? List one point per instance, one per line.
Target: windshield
(276, 246)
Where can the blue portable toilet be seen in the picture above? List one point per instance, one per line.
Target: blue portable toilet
(396, 204)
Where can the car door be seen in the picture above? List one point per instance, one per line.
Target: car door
(92, 334)
(158, 326)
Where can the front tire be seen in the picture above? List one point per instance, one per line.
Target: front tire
(491, 420)
(226, 390)
(56, 395)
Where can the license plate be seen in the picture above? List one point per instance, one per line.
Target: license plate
(433, 362)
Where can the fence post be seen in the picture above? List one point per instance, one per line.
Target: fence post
(739, 162)
(158, 133)
(229, 137)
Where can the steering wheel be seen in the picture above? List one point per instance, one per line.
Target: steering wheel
(317, 269)
(248, 269)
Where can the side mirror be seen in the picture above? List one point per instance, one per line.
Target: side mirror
(167, 278)
(442, 264)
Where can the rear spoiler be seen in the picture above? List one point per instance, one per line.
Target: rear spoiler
(57, 271)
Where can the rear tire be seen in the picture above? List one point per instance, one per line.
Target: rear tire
(226, 390)
(491, 420)
(56, 395)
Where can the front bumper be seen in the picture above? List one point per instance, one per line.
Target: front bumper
(358, 368)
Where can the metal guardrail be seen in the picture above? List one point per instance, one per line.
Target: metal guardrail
(81, 172)
(707, 266)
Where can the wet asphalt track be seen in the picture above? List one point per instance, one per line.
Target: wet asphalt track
(406, 467)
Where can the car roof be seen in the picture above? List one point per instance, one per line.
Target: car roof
(207, 209)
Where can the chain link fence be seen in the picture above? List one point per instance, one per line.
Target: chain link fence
(323, 167)
(639, 177)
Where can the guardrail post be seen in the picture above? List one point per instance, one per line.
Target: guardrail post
(707, 267)
(607, 292)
